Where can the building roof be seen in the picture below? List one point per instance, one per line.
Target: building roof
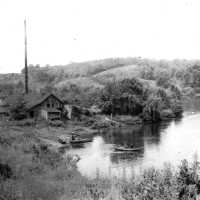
(33, 100)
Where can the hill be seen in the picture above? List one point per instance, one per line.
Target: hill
(92, 75)
(117, 74)
(82, 82)
(90, 68)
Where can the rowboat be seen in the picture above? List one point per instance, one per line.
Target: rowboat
(121, 148)
(80, 141)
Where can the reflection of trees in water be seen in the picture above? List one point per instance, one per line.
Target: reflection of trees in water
(125, 136)
(137, 136)
(152, 132)
(118, 157)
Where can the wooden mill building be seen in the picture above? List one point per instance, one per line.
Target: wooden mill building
(49, 107)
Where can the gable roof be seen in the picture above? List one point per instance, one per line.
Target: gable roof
(33, 100)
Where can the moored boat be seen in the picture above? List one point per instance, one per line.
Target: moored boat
(80, 141)
(121, 148)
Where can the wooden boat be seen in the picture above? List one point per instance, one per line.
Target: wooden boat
(62, 141)
(80, 141)
(121, 148)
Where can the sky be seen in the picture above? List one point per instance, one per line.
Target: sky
(64, 31)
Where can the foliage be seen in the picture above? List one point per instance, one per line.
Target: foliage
(133, 97)
(122, 97)
(17, 106)
(152, 109)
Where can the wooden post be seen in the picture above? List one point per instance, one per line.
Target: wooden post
(25, 59)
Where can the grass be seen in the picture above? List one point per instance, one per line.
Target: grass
(82, 82)
(117, 74)
(41, 173)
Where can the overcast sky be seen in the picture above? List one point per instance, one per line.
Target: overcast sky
(63, 31)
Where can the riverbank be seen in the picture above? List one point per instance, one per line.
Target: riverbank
(87, 127)
(31, 169)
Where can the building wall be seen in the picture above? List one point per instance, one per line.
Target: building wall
(44, 114)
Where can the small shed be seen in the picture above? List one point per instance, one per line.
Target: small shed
(49, 107)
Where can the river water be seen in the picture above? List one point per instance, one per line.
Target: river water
(168, 142)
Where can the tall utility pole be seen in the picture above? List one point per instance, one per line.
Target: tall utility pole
(25, 59)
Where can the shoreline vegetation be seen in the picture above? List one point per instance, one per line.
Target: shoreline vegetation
(32, 169)
(127, 92)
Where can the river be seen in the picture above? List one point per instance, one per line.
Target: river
(167, 142)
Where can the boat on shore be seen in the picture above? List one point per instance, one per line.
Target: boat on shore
(74, 139)
(127, 149)
(80, 141)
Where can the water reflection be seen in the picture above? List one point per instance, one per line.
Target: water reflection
(96, 158)
(165, 142)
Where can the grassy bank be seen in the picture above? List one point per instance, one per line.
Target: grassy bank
(30, 169)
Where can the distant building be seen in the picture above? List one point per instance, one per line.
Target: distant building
(49, 107)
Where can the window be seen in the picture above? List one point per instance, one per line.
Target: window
(48, 105)
(52, 105)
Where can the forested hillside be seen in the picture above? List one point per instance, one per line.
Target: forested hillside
(81, 82)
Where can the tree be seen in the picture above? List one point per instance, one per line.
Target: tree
(152, 109)
(124, 97)
(17, 106)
